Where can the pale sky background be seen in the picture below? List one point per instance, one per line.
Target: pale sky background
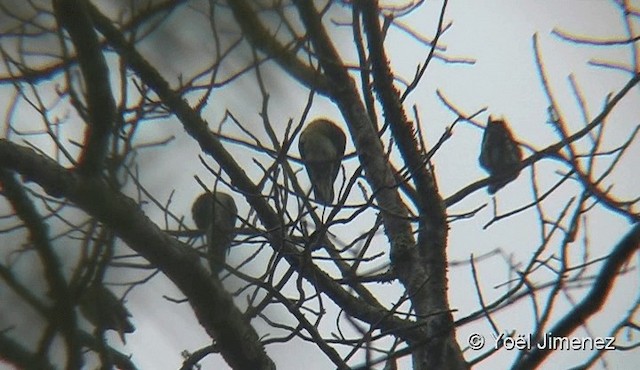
(498, 36)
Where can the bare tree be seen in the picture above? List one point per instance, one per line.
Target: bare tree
(118, 115)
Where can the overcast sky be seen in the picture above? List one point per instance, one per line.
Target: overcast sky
(498, 37)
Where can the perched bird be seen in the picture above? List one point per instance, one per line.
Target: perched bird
(216, 214)
(499, 155)
(321, 147)
(104, 310)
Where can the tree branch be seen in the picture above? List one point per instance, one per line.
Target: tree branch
(593, 301)
(213, 306)
(73, 16)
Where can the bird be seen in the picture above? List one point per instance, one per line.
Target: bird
(500, 156)
(215, 214)
(104, 310)
(321, 147)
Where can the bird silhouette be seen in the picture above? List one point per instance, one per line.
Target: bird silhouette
(499, 154)
(104, 310)
(321, 147)
(216, 214)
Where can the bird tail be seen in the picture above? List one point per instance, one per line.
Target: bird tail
(498, 182)
(121, 334)
(323, 191)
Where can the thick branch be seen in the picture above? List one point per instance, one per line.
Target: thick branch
(63, 314)
(73, 16)
(261, 39)
(214, 307)
(197, 128)
(430, 297)
(593, 301)
(16, 354)
(365, 137)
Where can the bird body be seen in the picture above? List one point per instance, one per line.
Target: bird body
(321, 147)
(104, 310)
(216, 215)
(499, 154)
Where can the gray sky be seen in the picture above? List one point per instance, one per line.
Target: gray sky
(498, 35)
